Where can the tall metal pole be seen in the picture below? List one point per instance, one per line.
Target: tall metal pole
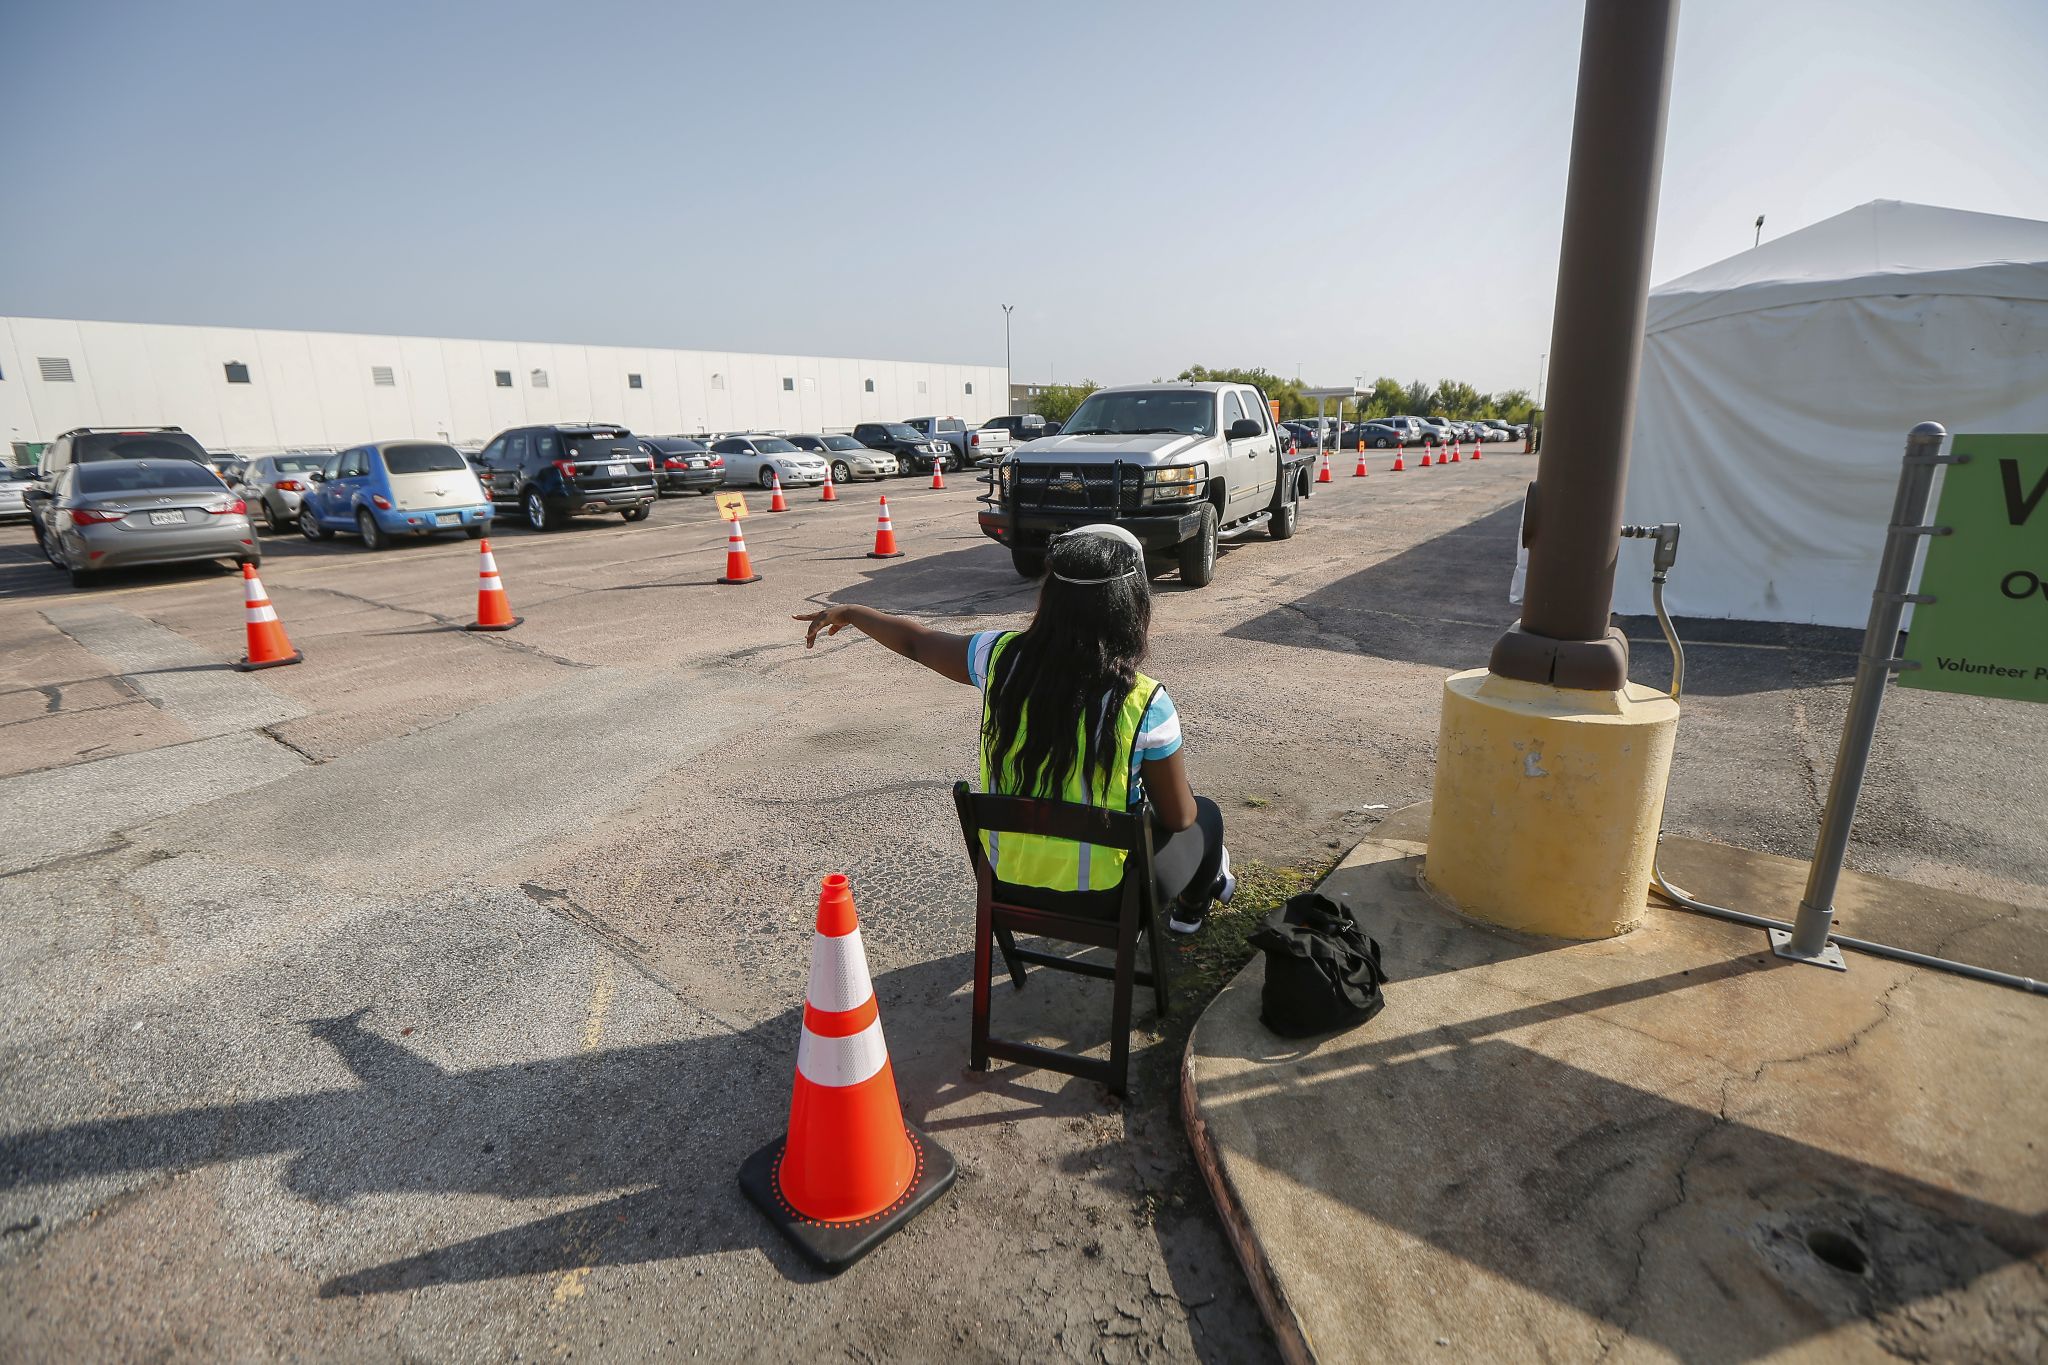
(1874, 666)
(1610, 213)
(1008, 308)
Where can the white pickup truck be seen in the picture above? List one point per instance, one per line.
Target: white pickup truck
(1175, 464)
(971, 445)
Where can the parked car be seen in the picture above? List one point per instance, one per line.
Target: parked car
(1024, 427)
(275, 484)
(1175, 464)
(1501, 431)
(915, 452)
(760, 459)
(551, 473)
(970, 445)
(683, 464)
(228, 465)
(117, 514)
(395, 488)
(1378, 435)
(14, 484)
(1413, 430)
(1301, 434)
(849, 458)
(84, 445)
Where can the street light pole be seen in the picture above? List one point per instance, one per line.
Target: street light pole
(1759, 232)
(1008, 309)
(1573, 522)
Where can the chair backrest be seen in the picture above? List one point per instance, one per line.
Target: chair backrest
(1098, 825)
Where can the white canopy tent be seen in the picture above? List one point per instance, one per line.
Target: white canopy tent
(1778, 387)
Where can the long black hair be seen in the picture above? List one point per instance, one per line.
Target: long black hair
(1072, 667)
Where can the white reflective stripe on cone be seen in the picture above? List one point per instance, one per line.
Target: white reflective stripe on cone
(839, 973)
(490, 581)
(252, 590)
(265, 612)
(490, 566)
(842, 1061)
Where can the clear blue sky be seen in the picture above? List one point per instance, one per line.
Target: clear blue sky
(1350, 188)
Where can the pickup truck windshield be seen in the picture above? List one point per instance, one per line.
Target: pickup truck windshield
(1147, 413)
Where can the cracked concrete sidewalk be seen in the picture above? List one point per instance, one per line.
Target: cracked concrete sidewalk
(1670, 1145)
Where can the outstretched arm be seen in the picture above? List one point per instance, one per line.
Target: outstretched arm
(943, 652)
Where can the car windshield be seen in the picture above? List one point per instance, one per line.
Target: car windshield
(773, 445)
(423, 459)
(296, 464)
(1145, 412)
(903, 432)
(143, 476)
(679, 447)
(136, 445)
(841, 443)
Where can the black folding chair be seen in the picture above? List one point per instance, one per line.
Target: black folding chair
(998, 921)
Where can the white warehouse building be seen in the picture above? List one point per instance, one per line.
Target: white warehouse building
(252, 391)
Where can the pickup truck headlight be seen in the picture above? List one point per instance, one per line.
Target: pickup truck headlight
(1175, 483)
(1003, 473)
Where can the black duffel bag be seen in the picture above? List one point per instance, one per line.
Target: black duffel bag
(1322, 972)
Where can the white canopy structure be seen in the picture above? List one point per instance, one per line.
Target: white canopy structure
(1778, 387)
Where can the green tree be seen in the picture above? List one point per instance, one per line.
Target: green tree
(1512, 405)
(1455, 398)
(1415, 400)
(1288, 391)
(1386, 398)
(1056, 402)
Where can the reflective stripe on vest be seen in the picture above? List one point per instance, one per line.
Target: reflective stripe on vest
(1063, 864)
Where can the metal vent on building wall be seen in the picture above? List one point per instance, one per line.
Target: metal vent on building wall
(717, 381)
(632, 381)
(788, 384)
(970, 388)
(237, 372)
(504, 378)
(920, 386)
(540, 379)
(56, 369)
(870, 385)
(382, 377)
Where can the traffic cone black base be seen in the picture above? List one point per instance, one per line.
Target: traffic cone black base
(834, 1246)
(751, 578)
(507, 625)
(244, 666)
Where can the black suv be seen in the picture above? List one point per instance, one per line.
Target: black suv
(82, 445)
(568, 470)
(914, 451)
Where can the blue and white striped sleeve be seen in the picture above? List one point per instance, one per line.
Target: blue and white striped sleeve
(979, 649)
(1158, 730)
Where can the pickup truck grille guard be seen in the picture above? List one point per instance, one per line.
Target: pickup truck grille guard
(1111, 489)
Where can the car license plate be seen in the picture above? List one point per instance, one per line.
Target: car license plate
(447, 519)
(166, 518)
(615, 470)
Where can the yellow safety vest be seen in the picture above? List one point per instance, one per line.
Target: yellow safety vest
(1064, 864)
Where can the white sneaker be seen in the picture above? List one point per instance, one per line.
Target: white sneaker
(1226, 885)
(1190, 921)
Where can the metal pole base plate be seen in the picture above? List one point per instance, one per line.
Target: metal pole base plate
(1829, 956)
(834, 1246)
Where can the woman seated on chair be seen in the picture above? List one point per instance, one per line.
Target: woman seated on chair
(1067, 716)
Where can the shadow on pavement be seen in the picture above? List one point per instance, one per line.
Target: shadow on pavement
(1443, 602)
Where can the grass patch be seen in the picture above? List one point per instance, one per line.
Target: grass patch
(1203, 964)
(1257, 802)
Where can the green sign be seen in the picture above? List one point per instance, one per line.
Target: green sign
(1986, 632)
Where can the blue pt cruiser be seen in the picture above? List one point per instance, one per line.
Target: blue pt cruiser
(394, 488)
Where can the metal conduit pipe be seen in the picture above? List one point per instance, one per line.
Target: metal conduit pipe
(1666, 553)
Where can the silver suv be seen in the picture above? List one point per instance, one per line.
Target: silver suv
(1175, 464)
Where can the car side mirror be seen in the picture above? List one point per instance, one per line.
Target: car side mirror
(317, 476)
(1244, 428)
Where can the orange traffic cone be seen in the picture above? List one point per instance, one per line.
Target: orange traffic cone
(850, 1171)
(1399, 467)
(1425, 457)
(831, 493)
(778, 503)
(268, 645)
(939, 473)
(493, 608)
(1454, 453)
(1323, 475)
(738, 568)
(885, 535)
(1475, 447)
(1359, 472)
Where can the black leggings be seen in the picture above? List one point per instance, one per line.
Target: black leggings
(1191, 858)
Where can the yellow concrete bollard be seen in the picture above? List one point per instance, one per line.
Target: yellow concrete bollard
(1547, 803)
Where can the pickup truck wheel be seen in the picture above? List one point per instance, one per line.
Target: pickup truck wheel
(1198, 556)
(1280, 526)
(1027, 563)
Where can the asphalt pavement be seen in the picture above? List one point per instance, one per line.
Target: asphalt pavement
(423, 999)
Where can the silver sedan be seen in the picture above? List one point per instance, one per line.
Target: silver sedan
(115, 514)
(273, 485)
